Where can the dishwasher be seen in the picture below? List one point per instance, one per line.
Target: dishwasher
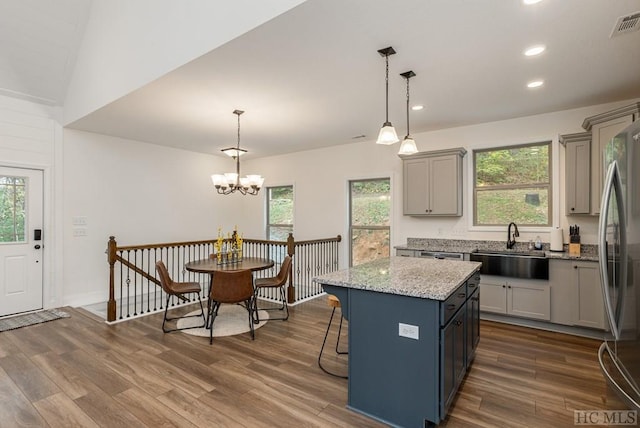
(440, 255)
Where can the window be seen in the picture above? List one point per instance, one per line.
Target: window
(370, 206)
(279, 212)
(12, 209)
(513, 184)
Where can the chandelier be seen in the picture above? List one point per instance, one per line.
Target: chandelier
(231, 182)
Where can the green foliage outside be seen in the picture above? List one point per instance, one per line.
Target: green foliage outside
(503, 207)
(12, 209)
(370, 203)
(519, 165)
(281, 205)
(512, 185)
(370, 206)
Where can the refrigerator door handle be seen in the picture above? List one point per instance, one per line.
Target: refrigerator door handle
(612, 184)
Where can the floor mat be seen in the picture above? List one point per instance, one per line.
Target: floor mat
(30, 319)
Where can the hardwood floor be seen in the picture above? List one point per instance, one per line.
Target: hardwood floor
(81, 372)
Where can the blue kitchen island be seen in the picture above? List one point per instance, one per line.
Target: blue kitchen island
(413, 330)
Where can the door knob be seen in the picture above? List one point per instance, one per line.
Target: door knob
(37, 246)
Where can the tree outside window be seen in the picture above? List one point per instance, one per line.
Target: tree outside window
(513, 184)
(279, 212)
(369, 224)
(12, 209)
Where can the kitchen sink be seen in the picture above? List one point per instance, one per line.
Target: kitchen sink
(532, 253)
(511, 263)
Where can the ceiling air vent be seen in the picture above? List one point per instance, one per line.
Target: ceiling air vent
(626, 24)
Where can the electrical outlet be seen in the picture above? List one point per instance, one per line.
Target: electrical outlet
(409, 331)
(79, 231)
(79, 221)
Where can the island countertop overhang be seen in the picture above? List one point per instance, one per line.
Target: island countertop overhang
(405, 276)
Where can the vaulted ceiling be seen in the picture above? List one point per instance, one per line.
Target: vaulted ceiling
(311, 77)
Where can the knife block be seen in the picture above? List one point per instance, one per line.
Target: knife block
(574, 250)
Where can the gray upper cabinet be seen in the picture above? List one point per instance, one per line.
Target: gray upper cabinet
(433, 183)
(603, 128)
(577, 172)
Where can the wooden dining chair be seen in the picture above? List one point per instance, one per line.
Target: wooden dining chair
(280, 282)
(179, 290)
(230, 287)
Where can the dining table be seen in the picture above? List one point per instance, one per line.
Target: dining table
(211, 265)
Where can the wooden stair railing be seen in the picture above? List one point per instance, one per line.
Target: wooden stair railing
(310, 258)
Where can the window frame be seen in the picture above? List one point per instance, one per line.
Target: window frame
(548, 186)
(268, 225)
(351, 227)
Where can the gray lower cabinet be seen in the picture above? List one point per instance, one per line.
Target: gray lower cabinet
(517, 297)
(577, 295)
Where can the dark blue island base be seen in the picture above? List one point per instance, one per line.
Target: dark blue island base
(408, 381)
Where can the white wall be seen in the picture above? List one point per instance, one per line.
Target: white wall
(320, 180)
(31, 137)
(127, 44)
(140, 193)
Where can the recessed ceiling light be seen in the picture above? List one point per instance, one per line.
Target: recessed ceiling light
(528, 2)
(417, 107)
(535, 84)
(535, 50)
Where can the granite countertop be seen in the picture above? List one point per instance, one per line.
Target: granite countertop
(588, 252)
(405, 276)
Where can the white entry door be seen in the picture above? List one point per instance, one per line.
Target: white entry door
(21, 243)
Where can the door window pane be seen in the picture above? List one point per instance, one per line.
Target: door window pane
(12, 209)
(369, 220)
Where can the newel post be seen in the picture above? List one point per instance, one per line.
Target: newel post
(111, 258)
(291, 250)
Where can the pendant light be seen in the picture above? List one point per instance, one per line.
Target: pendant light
(408, 146)
(387, 134)
(231, 182)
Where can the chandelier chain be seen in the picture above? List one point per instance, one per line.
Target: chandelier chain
(408, 133)
(386, 82)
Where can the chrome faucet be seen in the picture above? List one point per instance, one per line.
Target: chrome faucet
(511, 238)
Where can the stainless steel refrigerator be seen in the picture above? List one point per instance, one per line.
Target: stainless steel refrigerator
(619, 256)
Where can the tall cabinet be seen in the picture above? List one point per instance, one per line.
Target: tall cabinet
(577, 172)
(433, 183)
(603, 128)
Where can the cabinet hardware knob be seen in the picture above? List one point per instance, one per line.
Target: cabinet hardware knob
(503, 286)
(575, 266)
(451, 307)
(462, 295)
(508, 286)
(572, 209)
